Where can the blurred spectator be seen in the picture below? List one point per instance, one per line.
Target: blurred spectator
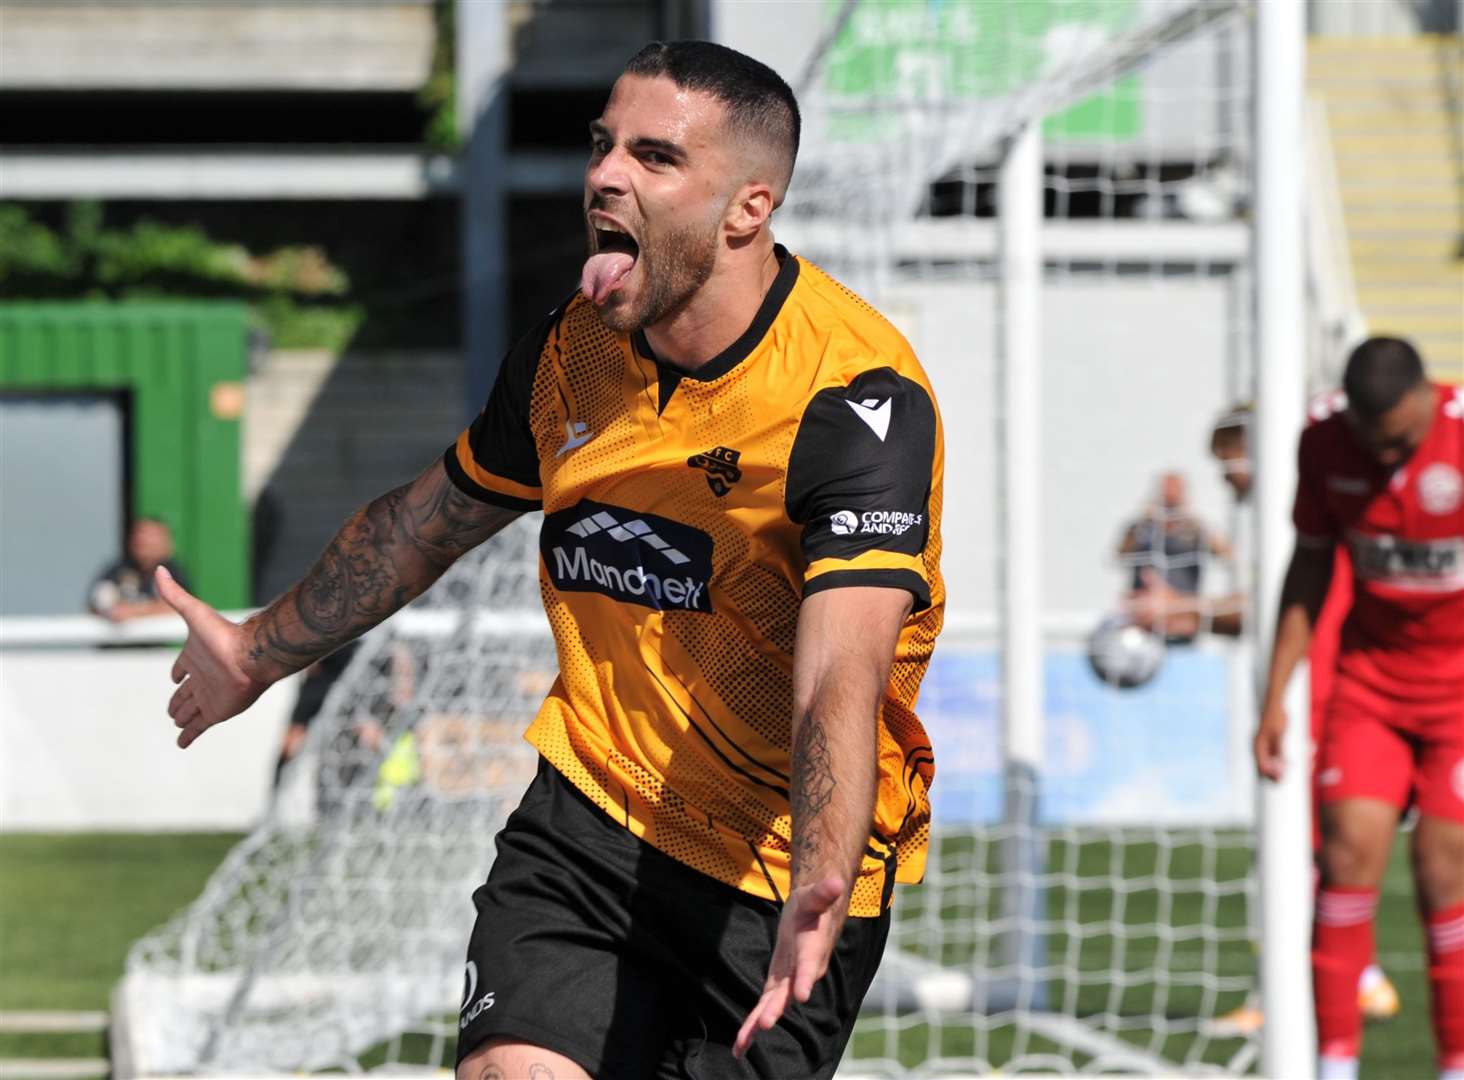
(1167, 543)
(1229, 447)
(127, 589)
(1178, 613)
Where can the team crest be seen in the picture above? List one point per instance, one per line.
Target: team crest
(1440, 488)
(720, 464)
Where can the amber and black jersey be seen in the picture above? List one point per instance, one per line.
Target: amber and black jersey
(686, 515)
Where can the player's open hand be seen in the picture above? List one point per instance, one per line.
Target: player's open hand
(1267, 746)
(811, 921)
(213, 682)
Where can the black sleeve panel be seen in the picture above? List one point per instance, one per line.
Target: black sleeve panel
(860, 470)
(501, 438)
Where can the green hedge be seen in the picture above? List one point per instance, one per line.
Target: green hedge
(295, 294)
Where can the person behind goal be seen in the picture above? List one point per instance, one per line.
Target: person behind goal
(1385, 475)
(739, 464)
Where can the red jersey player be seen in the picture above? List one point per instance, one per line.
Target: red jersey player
(1162, 608)
(1385, 476)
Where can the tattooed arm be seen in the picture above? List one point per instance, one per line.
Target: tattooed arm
(385, 555)
(841, 663)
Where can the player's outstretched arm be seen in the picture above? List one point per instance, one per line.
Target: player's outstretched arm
(841, 663)
(1302, 595)
(385, 555)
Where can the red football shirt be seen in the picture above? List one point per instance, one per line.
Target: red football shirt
(1404, 530)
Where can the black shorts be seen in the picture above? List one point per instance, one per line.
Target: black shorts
(593, 944)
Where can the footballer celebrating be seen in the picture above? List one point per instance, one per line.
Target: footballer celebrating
(1383, 475)
(739, 464)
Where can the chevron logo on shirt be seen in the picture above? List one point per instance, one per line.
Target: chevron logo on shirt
(608, 549)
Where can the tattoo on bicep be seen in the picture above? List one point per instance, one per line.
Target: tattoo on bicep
(813, 786)
(443, 523)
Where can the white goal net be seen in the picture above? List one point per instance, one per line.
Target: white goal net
(1086, 910)
(1085, 913)
(333, 937)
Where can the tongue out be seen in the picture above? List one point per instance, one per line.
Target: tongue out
(603, 272)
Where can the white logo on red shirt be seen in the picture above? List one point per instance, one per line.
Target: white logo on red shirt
(1330, 777)
(1414, 565)
(1457, 780)
(1440, 488)
(1454, 407)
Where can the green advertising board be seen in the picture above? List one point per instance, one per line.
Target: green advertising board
(972, 50)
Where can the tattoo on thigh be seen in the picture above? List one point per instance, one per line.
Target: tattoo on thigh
(540, 1072)
(492, 1072)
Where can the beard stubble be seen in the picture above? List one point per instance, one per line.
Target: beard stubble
(675, 266)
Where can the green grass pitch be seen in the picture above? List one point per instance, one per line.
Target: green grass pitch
(70, 906)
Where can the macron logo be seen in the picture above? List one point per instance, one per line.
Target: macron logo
(576, 434)
(631, 530)
(873, 412)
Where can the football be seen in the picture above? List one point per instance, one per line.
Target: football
(1124, 655)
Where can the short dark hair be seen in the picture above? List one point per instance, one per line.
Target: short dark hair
(758, 102)
(1380, 373)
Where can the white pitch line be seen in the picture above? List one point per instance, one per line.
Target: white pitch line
(14, 1021)
(53, 1068)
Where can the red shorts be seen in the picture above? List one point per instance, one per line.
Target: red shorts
(1377, 747)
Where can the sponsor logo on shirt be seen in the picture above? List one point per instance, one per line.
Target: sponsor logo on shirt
(1440, 488)
(633, 557)
(1349, 485)
(720, 463)
(873, 522)
(1420, 565)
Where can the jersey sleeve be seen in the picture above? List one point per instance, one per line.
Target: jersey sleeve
(1315, 526)
(496, 459)
(859, 480)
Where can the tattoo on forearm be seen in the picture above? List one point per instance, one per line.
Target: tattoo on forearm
(813, 788)
(386, 554)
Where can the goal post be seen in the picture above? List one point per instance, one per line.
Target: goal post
(1019, 217)
(1289, 1044)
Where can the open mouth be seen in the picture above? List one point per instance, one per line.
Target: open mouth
(614, 258)
(617, 241)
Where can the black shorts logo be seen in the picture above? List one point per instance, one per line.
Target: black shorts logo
(633, 557)
(720, 463)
